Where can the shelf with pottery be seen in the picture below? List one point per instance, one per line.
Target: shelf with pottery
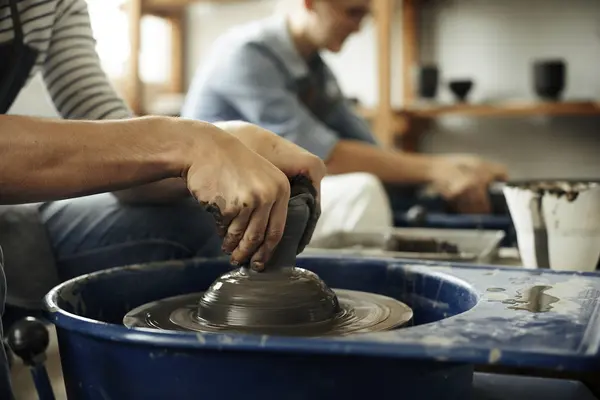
(548, 76)
(507, 109)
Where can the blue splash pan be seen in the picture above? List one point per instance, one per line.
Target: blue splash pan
(464, 315)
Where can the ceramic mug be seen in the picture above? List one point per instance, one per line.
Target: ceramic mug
(557, 223)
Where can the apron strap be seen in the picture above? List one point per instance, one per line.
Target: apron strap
(20, 60)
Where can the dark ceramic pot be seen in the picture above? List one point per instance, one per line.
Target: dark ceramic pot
(427, 81)
(549, 78)
(460, 89)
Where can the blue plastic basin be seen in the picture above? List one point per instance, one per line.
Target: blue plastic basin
(456, 327)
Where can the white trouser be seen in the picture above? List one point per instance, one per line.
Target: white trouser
(350, 202)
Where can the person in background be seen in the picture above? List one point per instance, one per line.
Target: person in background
(270, 73)
(106, 189)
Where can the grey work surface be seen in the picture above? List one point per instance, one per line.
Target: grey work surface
(512, 387)
(474, 245)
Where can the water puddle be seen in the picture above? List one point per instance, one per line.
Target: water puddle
(533, 300)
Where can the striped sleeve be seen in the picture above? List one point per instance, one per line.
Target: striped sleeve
(72, 71)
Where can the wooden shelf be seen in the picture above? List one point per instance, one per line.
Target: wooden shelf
(506, 109)
(365, 112)
(171, 6)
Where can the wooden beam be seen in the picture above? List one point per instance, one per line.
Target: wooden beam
(177, 23)
(384, 122)
(410, 50)
(134, 90)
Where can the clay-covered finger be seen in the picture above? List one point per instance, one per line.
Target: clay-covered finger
(254, 236)
(273, 234)
(500, 173)
(475, 201)
(223, 223)
(236, 230)
(221, 216)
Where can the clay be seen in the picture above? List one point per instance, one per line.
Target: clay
(359, 313)
(417, 245)
(215, 210)
(288, 296)
(299, 185)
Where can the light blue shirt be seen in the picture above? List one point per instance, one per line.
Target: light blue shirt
(255, 74)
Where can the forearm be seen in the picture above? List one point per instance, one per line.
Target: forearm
(171, 190)
(44, 159)
(389, 166)
(162, 192)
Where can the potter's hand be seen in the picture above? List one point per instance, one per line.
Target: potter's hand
(246, 193)
(464, 180)
(285, 155)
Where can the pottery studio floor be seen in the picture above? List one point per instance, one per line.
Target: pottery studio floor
(21, 377)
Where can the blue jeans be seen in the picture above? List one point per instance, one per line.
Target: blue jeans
(97, 232)
(5, 388)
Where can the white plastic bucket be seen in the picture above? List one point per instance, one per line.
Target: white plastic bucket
(557, 224)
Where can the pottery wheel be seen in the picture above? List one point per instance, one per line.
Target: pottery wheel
(282, 300)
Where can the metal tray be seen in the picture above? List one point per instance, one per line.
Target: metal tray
(466, 245)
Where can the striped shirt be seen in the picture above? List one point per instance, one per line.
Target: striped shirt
(61, 31)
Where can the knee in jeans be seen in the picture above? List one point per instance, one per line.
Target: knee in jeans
(369, 184)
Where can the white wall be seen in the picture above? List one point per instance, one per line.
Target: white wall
(34, 100)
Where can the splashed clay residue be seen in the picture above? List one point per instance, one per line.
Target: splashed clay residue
(533, 299)
(495, 355)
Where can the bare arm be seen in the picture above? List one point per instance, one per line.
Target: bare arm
(46, 159)
(390, 166)
(161, 192)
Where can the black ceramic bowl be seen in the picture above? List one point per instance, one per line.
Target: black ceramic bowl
(461, 88)
(549, 78)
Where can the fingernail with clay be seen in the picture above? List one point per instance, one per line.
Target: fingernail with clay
(225, 250)
(235, 263)
(258, 266)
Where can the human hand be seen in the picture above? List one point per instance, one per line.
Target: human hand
(291, 159)
(247, 195)
(464, 180)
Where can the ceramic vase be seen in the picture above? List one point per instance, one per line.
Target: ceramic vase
(549, 79)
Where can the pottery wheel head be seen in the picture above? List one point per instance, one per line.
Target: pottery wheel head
(291, 296)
